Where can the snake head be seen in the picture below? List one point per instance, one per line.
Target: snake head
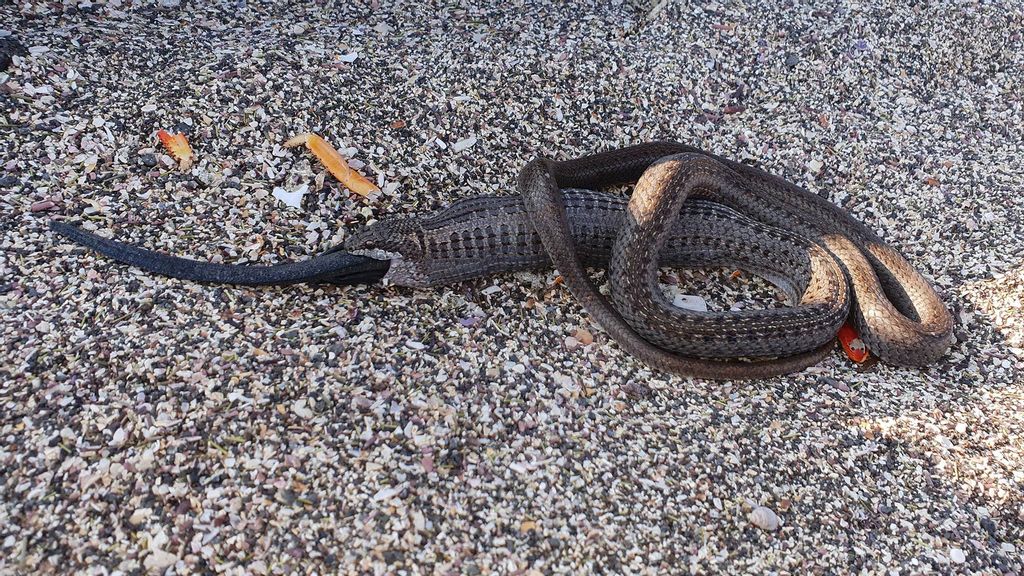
(400, 240)
(398, 236)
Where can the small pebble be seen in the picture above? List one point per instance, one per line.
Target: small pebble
(764, 518)
(300, 408)
(159, 560)
(464, 144)
(833, 383)
(583, 337)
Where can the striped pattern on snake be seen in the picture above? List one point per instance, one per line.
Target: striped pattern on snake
(895, 309)
(689, 208)
(489, 235)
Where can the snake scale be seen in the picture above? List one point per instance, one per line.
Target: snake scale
(689, 208)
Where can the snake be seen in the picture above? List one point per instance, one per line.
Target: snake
(688, 208)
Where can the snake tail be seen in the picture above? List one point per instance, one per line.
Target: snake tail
(331, 267)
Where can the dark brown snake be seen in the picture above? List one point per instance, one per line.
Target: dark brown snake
(689, 208)
(896, 311)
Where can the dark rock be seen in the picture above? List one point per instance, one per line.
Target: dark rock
(10, 47)
(8, 181)
(989, 526)
(833, 383)
(792, 60)
(148, 160)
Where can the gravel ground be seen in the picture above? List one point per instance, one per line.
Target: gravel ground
(156, 425)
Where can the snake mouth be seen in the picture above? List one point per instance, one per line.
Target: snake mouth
(331, 267)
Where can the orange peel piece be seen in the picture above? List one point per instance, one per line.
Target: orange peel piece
(178, 147)
(854, 347)
(334, 162)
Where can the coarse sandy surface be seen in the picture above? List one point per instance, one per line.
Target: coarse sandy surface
(151, 424)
